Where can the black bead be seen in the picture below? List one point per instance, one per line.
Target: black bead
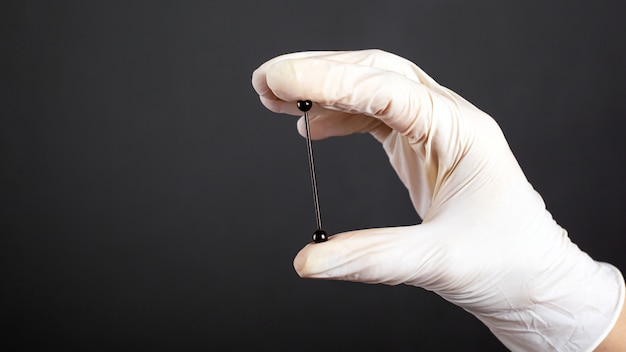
(320, 236)
(305, 105)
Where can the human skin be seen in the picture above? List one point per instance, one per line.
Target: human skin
(616, 339)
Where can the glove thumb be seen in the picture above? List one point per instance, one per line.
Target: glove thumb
(381, 255)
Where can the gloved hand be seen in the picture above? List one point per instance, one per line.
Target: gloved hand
(486, 242)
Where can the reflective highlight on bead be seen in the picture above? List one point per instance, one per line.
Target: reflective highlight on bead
(320, 236)
(305, 105)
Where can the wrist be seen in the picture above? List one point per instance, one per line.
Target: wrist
(616, 339)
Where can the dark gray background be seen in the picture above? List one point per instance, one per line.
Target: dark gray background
(149, 201)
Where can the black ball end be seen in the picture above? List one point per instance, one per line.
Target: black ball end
(305, 105)
(320, 236)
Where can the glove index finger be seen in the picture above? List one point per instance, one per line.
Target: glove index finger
(259, 79)
(403, 104)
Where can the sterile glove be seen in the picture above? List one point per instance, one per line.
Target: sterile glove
(486, 242)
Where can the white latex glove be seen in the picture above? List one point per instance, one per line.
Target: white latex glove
(486, 242)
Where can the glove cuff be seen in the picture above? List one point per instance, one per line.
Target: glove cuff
(618, 307)
(574, 313)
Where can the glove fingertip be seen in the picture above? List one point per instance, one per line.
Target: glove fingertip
(304, 263)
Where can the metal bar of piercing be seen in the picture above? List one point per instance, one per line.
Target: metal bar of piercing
(319, 235)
